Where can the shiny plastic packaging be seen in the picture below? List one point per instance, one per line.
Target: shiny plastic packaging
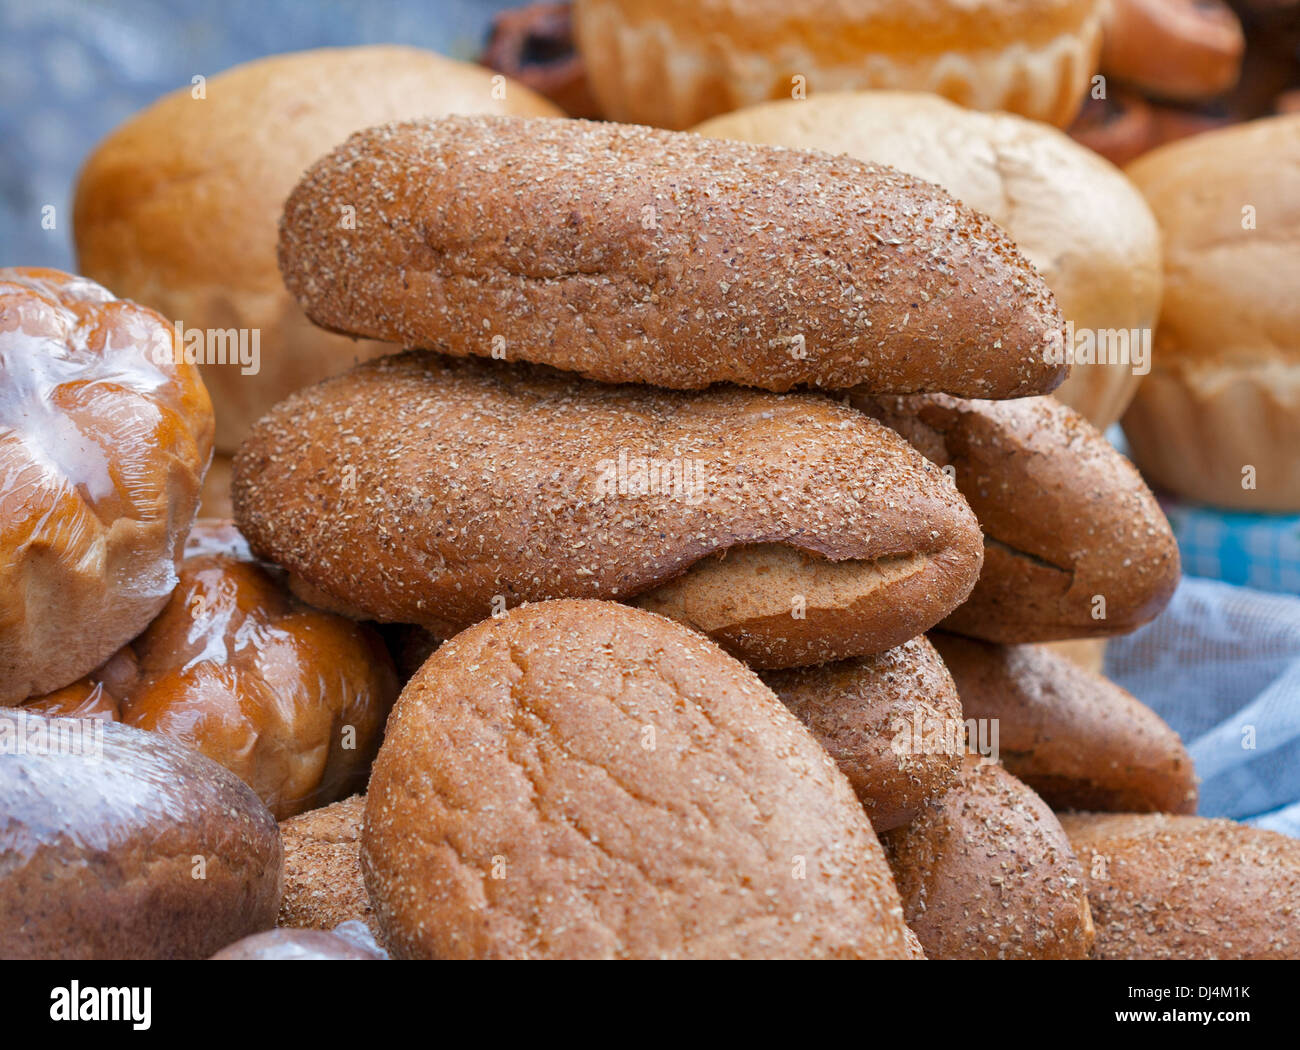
(105, 433)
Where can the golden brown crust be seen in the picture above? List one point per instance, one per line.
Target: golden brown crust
(1076, 738)
(290, 699)
(1176, 887)
(104, 437)
(630, 254)
(1224, 392)
(580, 779)
(1082, 224)
(1076, 545)
(1174, 49)
(147, 850)
(323, 886)
(178, 207)
(987, 873)
(883, 719)
(423, 489)
(676, 62)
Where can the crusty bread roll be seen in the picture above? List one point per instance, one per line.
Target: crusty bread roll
(987, 873)
(104, 437)
(323, 886)
(1074, 216)
(294, 945)
(1170, 887)
(290, 699)
(1075, 544)
(892, 722)
(580, 779)
(675, 62)
(122, 844)
(1076, 738)
(178, 207)
(631, 254)
(431, 490)
(1188, 50)
(1218, 418)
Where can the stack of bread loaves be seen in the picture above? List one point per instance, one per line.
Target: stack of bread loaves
(615, 319)
(719, 508)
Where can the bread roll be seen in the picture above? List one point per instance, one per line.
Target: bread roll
(322, 868)
(892, 722)
(1076, 738)
(104, 437)
(289, 699)
(1075, 544)
(629, 254)
(423, 489)
(1077, 219)
(178, 207)
(1169, 887)
(1218, 419)
(579, 779)
(987, 873)
(675, 62)
(122, 844)
(1189, 50)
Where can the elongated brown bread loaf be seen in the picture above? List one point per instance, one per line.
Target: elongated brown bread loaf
(987, 873)
(892, 722)
(631, 254)
(1173, 887)
(580, 779)
(1076, 738)
(1075, 543)
(431, 490)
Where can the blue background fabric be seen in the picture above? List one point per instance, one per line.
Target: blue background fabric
(1219, 660)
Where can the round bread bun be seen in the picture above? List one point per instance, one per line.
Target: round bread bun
(1071, 213)
(1218, 419)
(104, 437)
(439, 491)
(178, 207)
(323, 887)
(630, 254)
(1188, 50)
(122, 844)
(1076, 738)
(1176, 887)
(892, 722)
(290, 699)
(675, 62)
(579, 779)
(1075, 544)
(295, 946)
(987, 873)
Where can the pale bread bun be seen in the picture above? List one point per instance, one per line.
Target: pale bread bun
(1221, 407)
(1169, 887)
(1071, 213)
(177, 208)
(675, 62)
(579, 779)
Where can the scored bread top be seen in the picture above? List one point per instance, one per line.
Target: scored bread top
(633, 254)
(580, 779)
(1067, 518)
(418, 488)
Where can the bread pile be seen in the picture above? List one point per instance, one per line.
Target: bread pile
(711, 500)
